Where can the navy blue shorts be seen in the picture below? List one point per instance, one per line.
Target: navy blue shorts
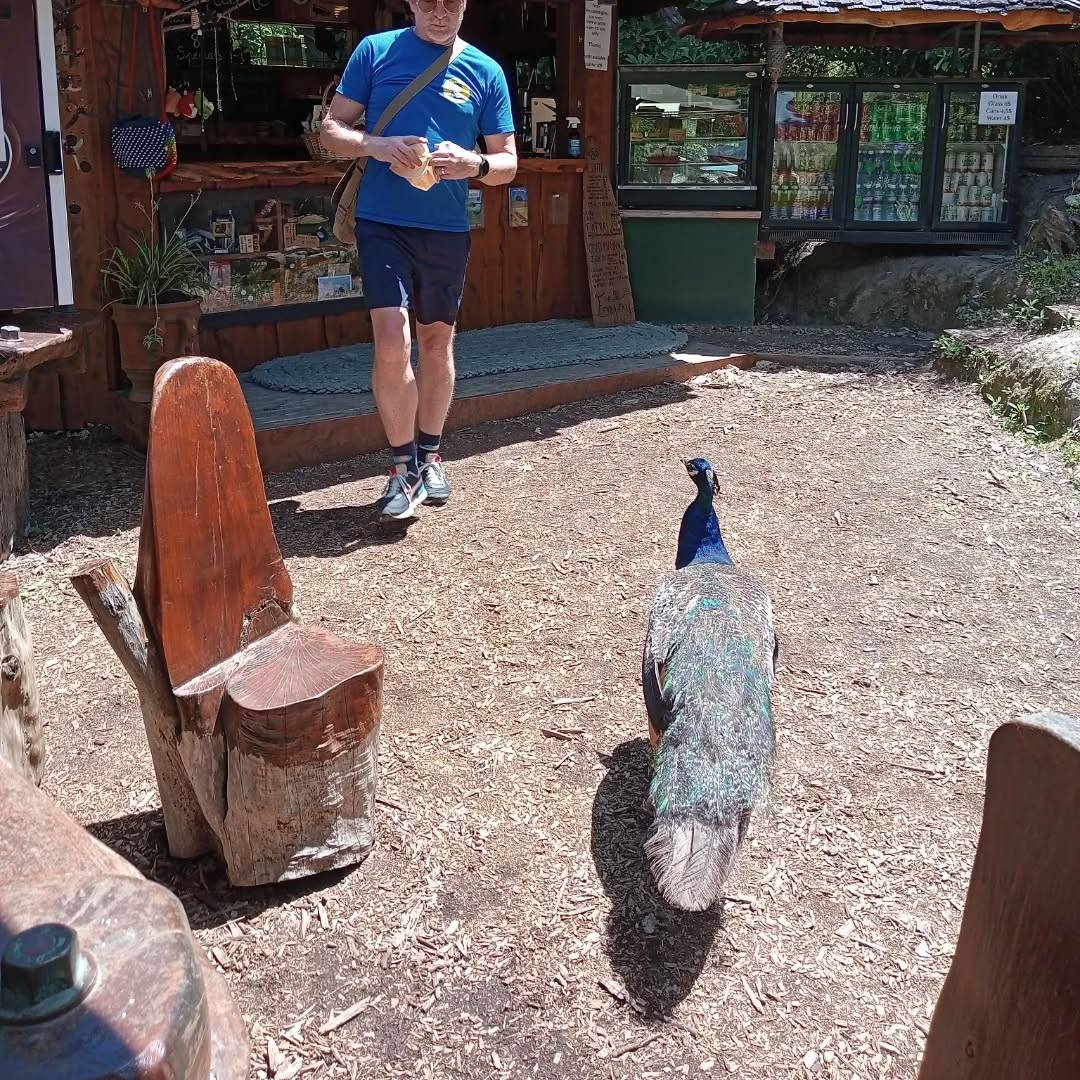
(419, 269)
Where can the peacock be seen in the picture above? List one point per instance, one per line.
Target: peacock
(707, 670)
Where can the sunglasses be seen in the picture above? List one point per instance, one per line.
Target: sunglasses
(452, 7)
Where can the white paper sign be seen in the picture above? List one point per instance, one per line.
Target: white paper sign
(597, 35)
(998, 106)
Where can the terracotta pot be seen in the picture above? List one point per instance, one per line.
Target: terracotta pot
(178, 327)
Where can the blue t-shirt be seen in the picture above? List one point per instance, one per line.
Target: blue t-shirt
(466, 101)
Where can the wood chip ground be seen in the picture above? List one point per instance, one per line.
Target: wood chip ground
(926, 575)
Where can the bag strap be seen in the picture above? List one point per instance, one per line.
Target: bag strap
(426, 76)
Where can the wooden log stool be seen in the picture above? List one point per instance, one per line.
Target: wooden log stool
(1010, 1007)
(264, 732)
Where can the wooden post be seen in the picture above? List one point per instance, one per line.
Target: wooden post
(600, 102)
(14, 479)
(105, 592)
(22, 744)
(1010, 1006)
(570, 69)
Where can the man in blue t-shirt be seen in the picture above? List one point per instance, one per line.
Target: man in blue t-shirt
(413, 240)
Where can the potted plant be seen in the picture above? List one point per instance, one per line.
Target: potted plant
(157, 289)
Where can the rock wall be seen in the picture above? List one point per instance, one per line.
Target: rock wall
(890, 288)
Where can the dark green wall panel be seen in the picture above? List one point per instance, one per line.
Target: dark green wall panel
(695, 270)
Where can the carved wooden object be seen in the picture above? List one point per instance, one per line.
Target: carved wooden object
(1010, 1006)
(14, 477)
(151, 1007)
(22, 744)
(264, 732)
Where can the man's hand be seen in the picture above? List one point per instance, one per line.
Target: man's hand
(405, 151)
(451, 162)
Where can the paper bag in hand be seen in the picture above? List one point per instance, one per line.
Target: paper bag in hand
(423, 176)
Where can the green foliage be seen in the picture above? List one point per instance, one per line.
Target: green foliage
(1070, 451)
(1053, 103)
(1042, 279)
(1014, 416)
(156, 272)
(249, 38)
(649, 41)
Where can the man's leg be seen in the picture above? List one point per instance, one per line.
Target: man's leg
(394, 385)
(436, 346)
(438, 299)
(387, 274)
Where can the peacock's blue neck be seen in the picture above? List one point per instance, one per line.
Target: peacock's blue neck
(699, 534)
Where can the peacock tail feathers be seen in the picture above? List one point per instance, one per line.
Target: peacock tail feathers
(707, 669)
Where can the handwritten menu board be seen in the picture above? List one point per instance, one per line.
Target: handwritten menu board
(605, 250)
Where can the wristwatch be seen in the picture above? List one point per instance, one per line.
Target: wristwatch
(484, 168)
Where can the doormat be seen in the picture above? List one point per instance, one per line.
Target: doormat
(497, 350)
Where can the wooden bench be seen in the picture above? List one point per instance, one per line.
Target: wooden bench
(264, 732)
(1010, 1007)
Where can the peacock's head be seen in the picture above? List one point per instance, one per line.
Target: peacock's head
(701, 472)
(699, 533)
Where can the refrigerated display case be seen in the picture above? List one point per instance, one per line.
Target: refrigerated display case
(977, 157)
(687, 137)
(903, 163)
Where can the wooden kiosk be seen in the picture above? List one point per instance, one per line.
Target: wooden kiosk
(252, 168)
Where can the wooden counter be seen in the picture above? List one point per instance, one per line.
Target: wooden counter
(237, 175)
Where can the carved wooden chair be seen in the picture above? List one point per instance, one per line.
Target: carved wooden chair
(263, 731)
(1010, 1007)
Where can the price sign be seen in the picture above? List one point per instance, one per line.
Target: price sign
(998, 107)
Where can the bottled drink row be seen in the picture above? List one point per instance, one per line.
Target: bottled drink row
(888, 184)
(792, 201)
(808, 118)
(887, 120)
(964, 126)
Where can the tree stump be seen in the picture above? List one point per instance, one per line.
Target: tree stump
(154, 1005)
(22, 744)
(1010, 1006)
(264, 732)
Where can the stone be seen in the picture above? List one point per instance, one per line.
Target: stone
(862, 287)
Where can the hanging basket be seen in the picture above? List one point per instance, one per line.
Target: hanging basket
(312, 141)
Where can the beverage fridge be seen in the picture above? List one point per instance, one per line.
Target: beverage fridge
(688, 137)
(911, 162)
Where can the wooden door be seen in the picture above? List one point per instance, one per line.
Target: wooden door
(26, 248)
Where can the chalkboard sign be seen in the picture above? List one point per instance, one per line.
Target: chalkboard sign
(605, 250)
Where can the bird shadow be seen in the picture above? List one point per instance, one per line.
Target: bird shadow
(656, 950)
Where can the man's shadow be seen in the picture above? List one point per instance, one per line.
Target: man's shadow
(657, 951)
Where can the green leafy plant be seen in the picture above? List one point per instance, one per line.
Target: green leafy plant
(156, 272)
(1042, 279)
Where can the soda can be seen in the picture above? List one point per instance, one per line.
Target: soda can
(950, 162)
(988, 162)
(986, 196)
(963, 195)
(988, 214)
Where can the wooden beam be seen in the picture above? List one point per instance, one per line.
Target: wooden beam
(598, 123)
(570, 71)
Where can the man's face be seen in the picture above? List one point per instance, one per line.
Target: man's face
(438, 21)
